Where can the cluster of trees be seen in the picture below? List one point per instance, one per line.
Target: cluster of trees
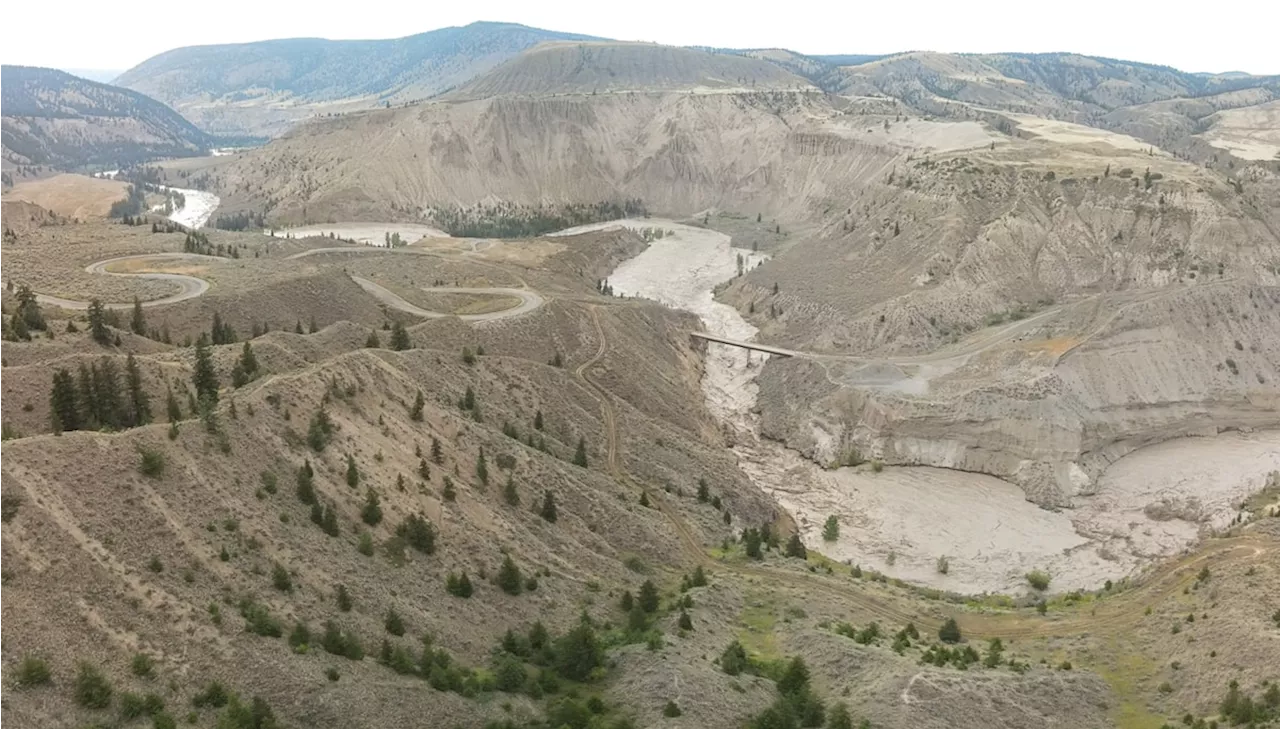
(240, 221)
(1240, 708)
(134, 202)
(509, 220)
(98, 399)
(197, 242)
(26, 318)
(757, 541)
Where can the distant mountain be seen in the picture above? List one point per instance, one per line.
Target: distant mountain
(265, 87)
(101, 75)
(53, 118)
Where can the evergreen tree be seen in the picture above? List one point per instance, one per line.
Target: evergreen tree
(297, 327)
(795, 679)
(548, 507)
(203, 377)
(685, 622)
(98, 323)
(580, 455)
(400, 338)
(424, 471)
(482, 469)
(138, 324)
(353, 473)
(537, 420)
(248, 362)
(312, 329)
(418, 533)
(437, 453)
(18, 331)
(648, 600)
(330, 521)
(139, 401)
(839, 718)
(949, 632)
(734, 659)
(751, 542)
(644, 499)
(306, 490)
(418, 403)
(372, 342)
(88, 398)
(795, 547)
(172, 411)
(510, 493)
(448, 492)
(704, 493)
(831, 530)
(509, 579)
(578, 653)
(394, 623)
(29, 309)
(371, 512)
(111, 412)
(344, 599)
(63, 408)
(627, 602)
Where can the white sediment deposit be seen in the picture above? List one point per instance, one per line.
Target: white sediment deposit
(1149, 504)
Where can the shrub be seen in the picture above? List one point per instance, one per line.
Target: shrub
(281, 579)
(949, 632)
(831, 530)
(92, 690)
(1038, 579)
(943, 565)
(671, 710)
(214, 695)
(142, 665)
(32, 671)
(331, 674)
(152, 463)
(394, 623)
(734, 659)
(509, 578)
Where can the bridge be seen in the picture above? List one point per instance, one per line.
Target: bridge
(756, 346)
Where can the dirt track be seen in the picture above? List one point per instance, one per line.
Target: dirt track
(191, 286)
(529, 300)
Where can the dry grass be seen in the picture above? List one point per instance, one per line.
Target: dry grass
(73, 196)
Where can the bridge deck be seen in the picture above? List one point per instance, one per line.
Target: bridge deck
(779, 351)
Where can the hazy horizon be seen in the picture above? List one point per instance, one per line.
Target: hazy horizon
(101, 41)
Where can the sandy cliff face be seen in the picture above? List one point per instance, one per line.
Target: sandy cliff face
(1049, 414)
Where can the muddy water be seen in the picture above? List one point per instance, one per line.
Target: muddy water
(902, 520)
(197, 208)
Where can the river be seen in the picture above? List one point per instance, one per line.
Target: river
(1151, 504)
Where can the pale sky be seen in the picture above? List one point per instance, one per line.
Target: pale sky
(1214, 37)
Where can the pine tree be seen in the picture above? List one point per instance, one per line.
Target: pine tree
(831, 530)
(548, 507)
(372, 342)
(106, 384)
(627, 602)
(580, 455)
(63, 408)
(400, 338)
(482, 469)
(509, 578)
(344, 599)
(648, 600)
(949, 632)
(644, 499)
(537, 420)
(306, 490)
(685, 622)
(704, 493)
(353, 473)
(795, 547)
(88, 398)
(29, 309)
(203, 377)
(139, 402)
(752, 541)
(510, 493)
(330, 521)
(578, 653)
(18, 331)
(418, 403)
(138, 324)
(172, 411)
(248, 362)
(437, 453)
(297, 327)
(313, 328)
(98, 323)
(371, 513)
(449, 492)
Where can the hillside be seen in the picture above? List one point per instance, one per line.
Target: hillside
(54, 119)
(612, 67)
(264, 88)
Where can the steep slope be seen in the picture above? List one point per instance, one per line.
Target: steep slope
(53, 118)
(613, 67)
(678, 152)
(263, 88)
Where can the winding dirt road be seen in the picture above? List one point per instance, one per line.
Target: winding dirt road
(191, 286)
(529, 300)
